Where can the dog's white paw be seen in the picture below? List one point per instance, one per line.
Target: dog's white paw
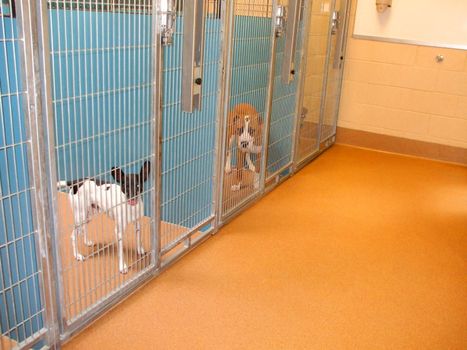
(123, 269)
(80, 257)
(252, 168)
(228, 169)
(89, 243)
(235, 187)
(256, 181)
(141, 251)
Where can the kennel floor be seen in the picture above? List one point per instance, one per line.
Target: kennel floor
(359, 250)
(232, 199)
(7, 343)
(87, 282)
(309, 138)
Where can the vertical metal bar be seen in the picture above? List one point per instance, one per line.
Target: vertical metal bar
(339, 41)
(270, 95)
(156, 239)
(288, 69)
(326, 74)
(37, 107)
(227, 69)
(301, 85)
(226, 13)
(342, 47)
(193, 52)
(47, 138)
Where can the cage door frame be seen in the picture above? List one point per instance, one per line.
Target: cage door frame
(275, 178)
(223, 217)
(322, 145)
(67, 328)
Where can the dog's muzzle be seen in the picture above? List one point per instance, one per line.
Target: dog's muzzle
(132, 201)
(244, 144)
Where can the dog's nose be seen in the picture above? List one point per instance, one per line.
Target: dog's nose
(244, 144)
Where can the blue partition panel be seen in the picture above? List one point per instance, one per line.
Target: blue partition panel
(21, 309)
(251, 61)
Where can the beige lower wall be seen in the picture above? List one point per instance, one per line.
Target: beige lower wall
(400, 90)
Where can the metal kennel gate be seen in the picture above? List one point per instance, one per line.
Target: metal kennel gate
(191, 74)
(322, 78)
(100, 74)
(248, 84)
(261, 97)
(288, 55)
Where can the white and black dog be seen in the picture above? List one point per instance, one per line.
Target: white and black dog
(122, 202)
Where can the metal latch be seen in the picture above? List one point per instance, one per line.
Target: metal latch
(193, 55)
(167, 17)
(291, 34)
(335, 22)
(281, 17)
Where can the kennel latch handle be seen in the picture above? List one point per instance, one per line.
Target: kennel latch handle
(193, 55)
(167, 14)
(291, 32)
(337, 28)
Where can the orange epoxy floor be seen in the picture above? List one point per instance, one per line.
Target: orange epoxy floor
(360, 250)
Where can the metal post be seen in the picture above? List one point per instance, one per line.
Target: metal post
(226, 10)
(193, 52)
(301, 84)
(288, 69)
(270, 95)
(32, 106)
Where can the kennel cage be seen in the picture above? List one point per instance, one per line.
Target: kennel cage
(126, 83)
(248, 77)
(261, 98)
(191, 69)
(322, 80)
(102, 125)
(284, 104)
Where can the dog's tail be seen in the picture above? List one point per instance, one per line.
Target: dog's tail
(62, 184)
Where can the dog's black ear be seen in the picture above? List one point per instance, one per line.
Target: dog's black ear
(118, 174)
(145, 170)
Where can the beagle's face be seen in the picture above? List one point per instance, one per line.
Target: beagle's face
(247, 125)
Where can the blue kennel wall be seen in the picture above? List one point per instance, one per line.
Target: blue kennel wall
(251, 85)
(283, 112)
(21, 310)
(188, 139)
(251, 63)
(101, 70)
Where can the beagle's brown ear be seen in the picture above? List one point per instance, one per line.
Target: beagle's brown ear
(234, 120)
(118, 174)
(237, 120)
(145, 170)
(260, 119)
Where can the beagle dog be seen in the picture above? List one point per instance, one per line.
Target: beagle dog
(245, 128)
